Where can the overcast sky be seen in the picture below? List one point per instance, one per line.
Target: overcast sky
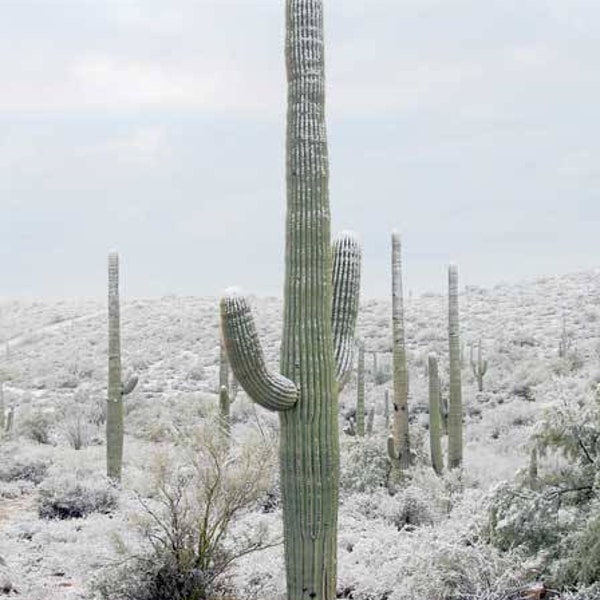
(156, 128)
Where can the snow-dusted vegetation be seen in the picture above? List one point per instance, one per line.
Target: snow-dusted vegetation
(524, 509)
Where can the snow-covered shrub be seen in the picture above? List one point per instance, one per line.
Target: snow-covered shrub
(23, 468)
(364, 464)
(201, 489)
(73, 496)
(36, 425)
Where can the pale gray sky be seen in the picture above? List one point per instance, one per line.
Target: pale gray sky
(157, 128)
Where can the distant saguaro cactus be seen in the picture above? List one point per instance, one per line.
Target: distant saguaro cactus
(360, 391)
(2, 407)
(117, 389)
(10, 420)
(399, 444)
(370, 419)
(319, 317)
(478, 365)
(455, 411)
(435, 425)
(224, 395)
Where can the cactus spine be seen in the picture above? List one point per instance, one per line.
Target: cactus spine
(435, 416)
(399, 446)
(319, 319)
(479, 366)
(455, 411)
(360, 392)
(117, 389)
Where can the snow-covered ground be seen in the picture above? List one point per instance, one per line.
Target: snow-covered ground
(53, 361)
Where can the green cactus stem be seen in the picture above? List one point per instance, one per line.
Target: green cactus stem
(117, 389)
(10, 420)
(223, 367)
(319, 316)
(400, 457)
(2, 408)
(344, 311)
(435, 425)
(375, 365)
(478, 365)
(370, 419)
(386, 409)
(455, 410)
(224, 415)
(114, 412)
(360, 392)
(534, 483)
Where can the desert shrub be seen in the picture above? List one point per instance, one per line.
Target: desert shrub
(23, 469)
(364, 465)
(73, 496)
(186, 528)
(36, 425)
(554, 515)
(77, 429)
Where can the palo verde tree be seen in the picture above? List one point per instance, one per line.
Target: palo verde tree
(319, 317)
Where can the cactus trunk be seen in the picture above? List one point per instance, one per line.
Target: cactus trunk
(319, 317)
(401, 444)
(114, 408)
(435, 417)
(2, 408)
(360, 392)
(455, 411)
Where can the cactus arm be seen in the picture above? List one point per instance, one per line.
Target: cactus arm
(246, 358)
(346, 255)
(128, 386)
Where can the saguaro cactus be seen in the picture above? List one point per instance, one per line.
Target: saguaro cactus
(399, 444)
(455, 411)
(360, 391)
(478, 365)
(224, 396)
(319, 318)
(370, 419)
(117, 389)
(10, 420)
(2, 408)
(435, 417)
(386, 409)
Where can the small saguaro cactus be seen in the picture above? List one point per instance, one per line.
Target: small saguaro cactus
(10, 420)
(533, 469)
(399, 444)
(319, 318)
(360, 391)
(386, 409)
(2, 408)
(224, 396)
(370, 419)
(117, 388)
(455, 410)
(479, 365)
(435, 424)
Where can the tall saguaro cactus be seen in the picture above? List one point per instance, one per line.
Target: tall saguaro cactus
(360, 391)
(455, 411)
(117, 389)
(319, 317)
(399, 443)
(435, 416)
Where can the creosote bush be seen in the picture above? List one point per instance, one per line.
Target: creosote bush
(186, 527)
(73, 496)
